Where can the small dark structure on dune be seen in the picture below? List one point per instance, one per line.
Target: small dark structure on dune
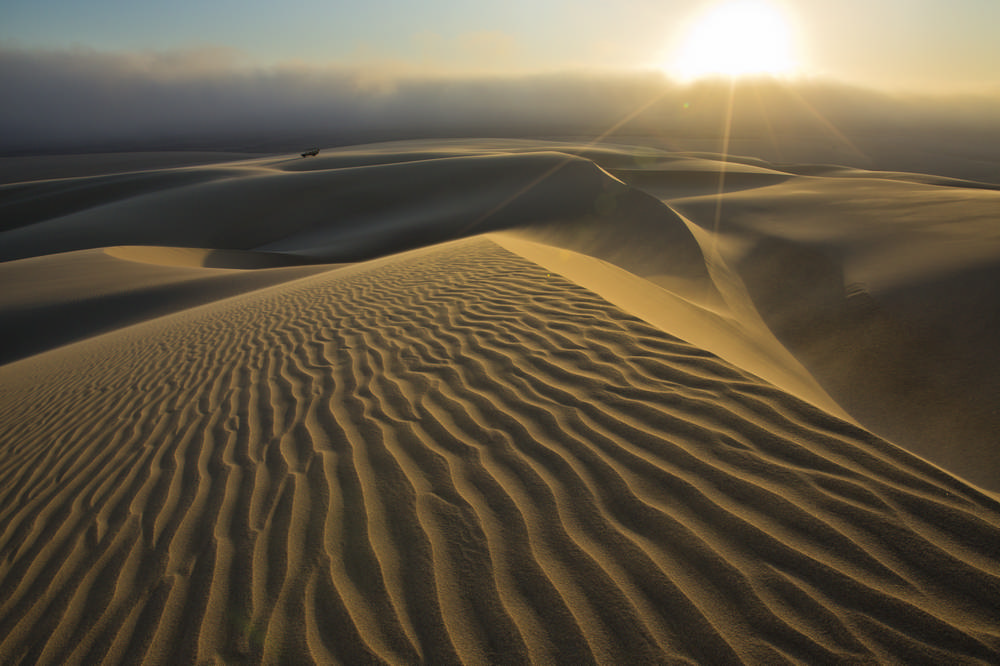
(311, 153)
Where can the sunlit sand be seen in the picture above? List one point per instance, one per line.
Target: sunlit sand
(497, 401)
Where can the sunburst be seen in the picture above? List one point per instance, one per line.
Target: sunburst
(736, 38)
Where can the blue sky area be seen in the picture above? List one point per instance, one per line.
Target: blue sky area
(925, 45)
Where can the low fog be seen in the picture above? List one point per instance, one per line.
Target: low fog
(81, 100)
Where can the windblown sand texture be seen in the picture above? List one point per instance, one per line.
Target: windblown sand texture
(597, 417)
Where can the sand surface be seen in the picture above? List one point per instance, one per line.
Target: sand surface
(497, 402)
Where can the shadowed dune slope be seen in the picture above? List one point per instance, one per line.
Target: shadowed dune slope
(22, 204)
(886, 291)
(453, 455)
(61, 298)
(337, 214)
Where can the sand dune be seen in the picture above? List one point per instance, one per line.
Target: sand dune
(629, 425)
(61, 298)
(886, 291)
(335, 215)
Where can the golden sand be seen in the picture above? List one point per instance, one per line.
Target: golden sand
(584, 423)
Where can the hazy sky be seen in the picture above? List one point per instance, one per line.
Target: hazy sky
(930, 45)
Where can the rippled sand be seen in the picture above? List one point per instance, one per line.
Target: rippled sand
(597, 416)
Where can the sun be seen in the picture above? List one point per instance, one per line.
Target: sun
(736, 38)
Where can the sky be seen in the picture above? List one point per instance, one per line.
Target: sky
(915, 45)
(248, 74)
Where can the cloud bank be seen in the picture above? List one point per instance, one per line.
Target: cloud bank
(207, 100)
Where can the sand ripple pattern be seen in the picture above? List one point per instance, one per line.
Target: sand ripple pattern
(450, 457)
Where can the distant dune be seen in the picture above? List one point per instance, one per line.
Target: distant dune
(497, 401)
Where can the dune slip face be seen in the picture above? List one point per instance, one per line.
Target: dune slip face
(453, 456)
